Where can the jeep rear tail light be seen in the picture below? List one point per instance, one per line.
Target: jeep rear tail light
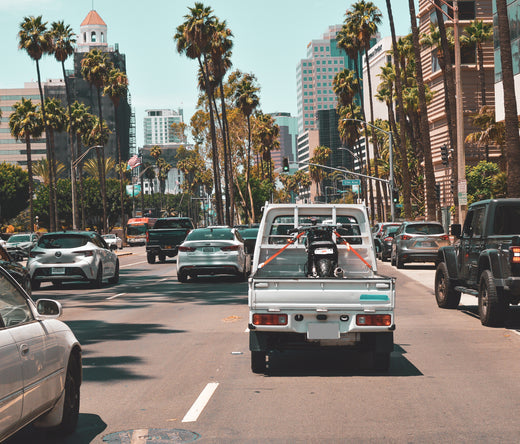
(514, 255)
(374, 320)
(269, 319)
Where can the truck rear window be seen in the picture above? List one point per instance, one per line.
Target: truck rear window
(507, 220)
(173, 223)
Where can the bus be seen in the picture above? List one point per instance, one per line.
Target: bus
(136, 229)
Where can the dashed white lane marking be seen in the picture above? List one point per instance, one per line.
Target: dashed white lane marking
(135, 263)
(116, 295)
(139, 436)
(200, 403)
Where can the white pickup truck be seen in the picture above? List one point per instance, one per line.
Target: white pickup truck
(295, 303)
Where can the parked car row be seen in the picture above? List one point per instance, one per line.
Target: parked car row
(409, 241)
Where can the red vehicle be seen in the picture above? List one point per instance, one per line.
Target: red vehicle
(136, 229)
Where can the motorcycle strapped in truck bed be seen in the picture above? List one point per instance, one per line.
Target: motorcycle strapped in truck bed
(314, 284)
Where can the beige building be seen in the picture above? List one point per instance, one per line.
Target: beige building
(472, 100)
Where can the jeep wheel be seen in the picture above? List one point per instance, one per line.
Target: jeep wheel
(150, 258)
(258, 364)
(445, 293)
(492, 305)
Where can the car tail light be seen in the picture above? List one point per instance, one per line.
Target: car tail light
(389, 239)
(86, 253)
(186, 249)
(445, 237)
(514, 255)
(405, 237)
(269, 319)
(374, 319)
(147, 237)
(230, 248)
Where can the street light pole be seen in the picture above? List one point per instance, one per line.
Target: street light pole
(74, 166)
(391, 163)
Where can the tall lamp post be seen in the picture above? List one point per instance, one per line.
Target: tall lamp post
(391, 162)
(75, 165)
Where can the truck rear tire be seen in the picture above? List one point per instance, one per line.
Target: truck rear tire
(492, 305)
(162, 257)
(258, 364)
(445, 293)
(150, 258)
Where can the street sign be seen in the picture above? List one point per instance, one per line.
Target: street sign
(346, 182)
(133, 190)
(463, 198)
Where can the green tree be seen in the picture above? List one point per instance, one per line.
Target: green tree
(14, 191)
(25, 123)
(320, 157)
(485, 181)
(95, 68)
(36, 40)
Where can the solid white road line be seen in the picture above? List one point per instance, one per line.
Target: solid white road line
(200, 403)
(135, 263)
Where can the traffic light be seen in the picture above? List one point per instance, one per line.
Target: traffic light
(396, 195)
(285, 167)
(444, 154)
(452, 186)
(438, 192)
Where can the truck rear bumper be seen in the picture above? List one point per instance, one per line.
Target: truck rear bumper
(156, 249)
(275, 341)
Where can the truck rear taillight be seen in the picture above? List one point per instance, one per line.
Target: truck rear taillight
(374, 320)
(514, 255)
(269, 319)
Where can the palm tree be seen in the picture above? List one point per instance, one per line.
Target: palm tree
(510, 108)
(362, 20)
(34, 38)
(95, 68)
(116, 88)
(194, 38)
(478, 33)
(403, 158)
(431, 200)
(25, 123)
(246, 99)
(80, 122)
(92, 168)
(320, 157)
(491, 131)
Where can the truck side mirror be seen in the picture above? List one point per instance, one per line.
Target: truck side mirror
(456, 230)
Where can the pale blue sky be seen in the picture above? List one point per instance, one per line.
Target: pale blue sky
(270, 37)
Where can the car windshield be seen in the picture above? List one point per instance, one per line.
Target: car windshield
(173, 223)
(19, 238)
(248, 233)
(391, 229)
(210, 234)
(62, 241)
(109, 236)
(424, 229)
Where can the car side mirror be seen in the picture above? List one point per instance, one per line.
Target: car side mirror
(48, 308)
(456, 230)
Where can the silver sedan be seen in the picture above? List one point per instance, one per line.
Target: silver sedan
(114, 242)
(211, 251)
(72, 256)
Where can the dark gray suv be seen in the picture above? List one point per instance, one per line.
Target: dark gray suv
(417, 241)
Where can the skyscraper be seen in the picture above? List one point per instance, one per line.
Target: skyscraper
(158, 126)
(288, 135)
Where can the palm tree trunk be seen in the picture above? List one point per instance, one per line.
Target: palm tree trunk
(481, 73)
(31, 184)
(510, 108)
(405, 171)
(52, 218)
(121, 194)
(431, 200)
(101, 165)
(81, 191)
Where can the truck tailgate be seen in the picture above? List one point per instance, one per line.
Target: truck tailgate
(353, 294)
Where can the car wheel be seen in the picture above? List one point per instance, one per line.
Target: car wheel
(98, 281)
(399, 262)
(392, 260)
(162, 258)
(182, 276)
(70, 416)
(35, 285)
(150, 258)
(115, 279)
(445, 293)
(258, 364)
(492, 304)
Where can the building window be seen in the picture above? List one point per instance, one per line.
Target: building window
(102, 38)
(93, 36)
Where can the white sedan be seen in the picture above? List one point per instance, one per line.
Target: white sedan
(113, 241)
(210, 251)
(40, 363)
(69, 256)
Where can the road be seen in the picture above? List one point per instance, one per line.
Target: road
(170, 362)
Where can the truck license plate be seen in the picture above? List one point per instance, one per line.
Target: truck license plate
(58, 270)
(323, 331)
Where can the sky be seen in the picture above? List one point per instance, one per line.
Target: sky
(270, 37)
